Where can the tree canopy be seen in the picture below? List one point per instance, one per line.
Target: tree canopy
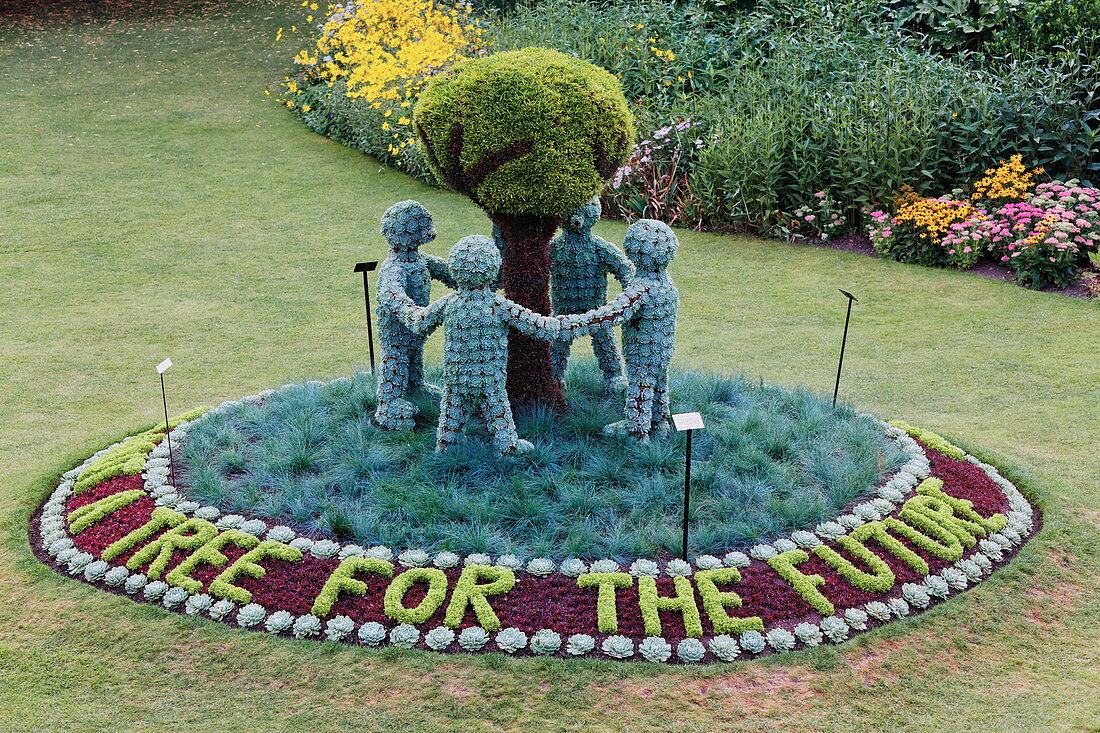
(528, 132)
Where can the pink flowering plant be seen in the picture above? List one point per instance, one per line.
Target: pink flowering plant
(880, 229)
(966, 241)
(1045, 235)
(654, 182)
(821, 218)
(1046, 239)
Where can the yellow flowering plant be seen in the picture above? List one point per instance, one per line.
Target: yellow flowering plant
(384, 50)
(366, 68)
(930, 218)
(643, 58)
(1010, 181)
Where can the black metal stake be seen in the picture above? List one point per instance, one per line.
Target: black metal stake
(843, 343)
(168, 430)
(687, 495)
(365, 267)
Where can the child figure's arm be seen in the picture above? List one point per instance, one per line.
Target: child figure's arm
(616, 262)
(437, 268)
(427, 319)
(535, 325)
(391, 286)
(623, 308)
(391, 295)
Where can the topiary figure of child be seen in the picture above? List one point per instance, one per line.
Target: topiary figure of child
(406, 225)
(475, 324)
(579, 265)
(647, 310)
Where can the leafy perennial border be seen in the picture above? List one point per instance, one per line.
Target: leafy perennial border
(937, 526)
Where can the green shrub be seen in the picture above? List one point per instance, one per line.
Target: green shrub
(1001, 28)
(856, 116)
(352, 121)
(951, 25)
(1048, 27)
(792, 97)
(818, 100)
(784, 112)
(633, 41)
(1046, 112)
(494, 6)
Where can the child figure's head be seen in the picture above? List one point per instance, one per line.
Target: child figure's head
(474, 262)
(650, 245)
(583, 218)
(406, 225)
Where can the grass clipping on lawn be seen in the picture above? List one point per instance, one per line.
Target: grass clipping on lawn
(770, 461)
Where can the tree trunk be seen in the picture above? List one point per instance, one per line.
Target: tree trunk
(525, 276)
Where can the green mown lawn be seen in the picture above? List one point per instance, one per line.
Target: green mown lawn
(156, 203)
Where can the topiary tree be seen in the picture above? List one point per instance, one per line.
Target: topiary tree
(529, 136)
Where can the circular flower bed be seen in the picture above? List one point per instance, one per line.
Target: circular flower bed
(935, 526)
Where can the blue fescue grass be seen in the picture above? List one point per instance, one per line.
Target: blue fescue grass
(770, 461)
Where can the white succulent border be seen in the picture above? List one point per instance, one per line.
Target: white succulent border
(58, 544)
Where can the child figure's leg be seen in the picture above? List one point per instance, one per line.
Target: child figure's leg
(639, 410)
(394, 412)
(416, 370)
(416, 364)
(497, 412)
(661, 414)
(454, 413)
(559, 357)
(607, 356)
